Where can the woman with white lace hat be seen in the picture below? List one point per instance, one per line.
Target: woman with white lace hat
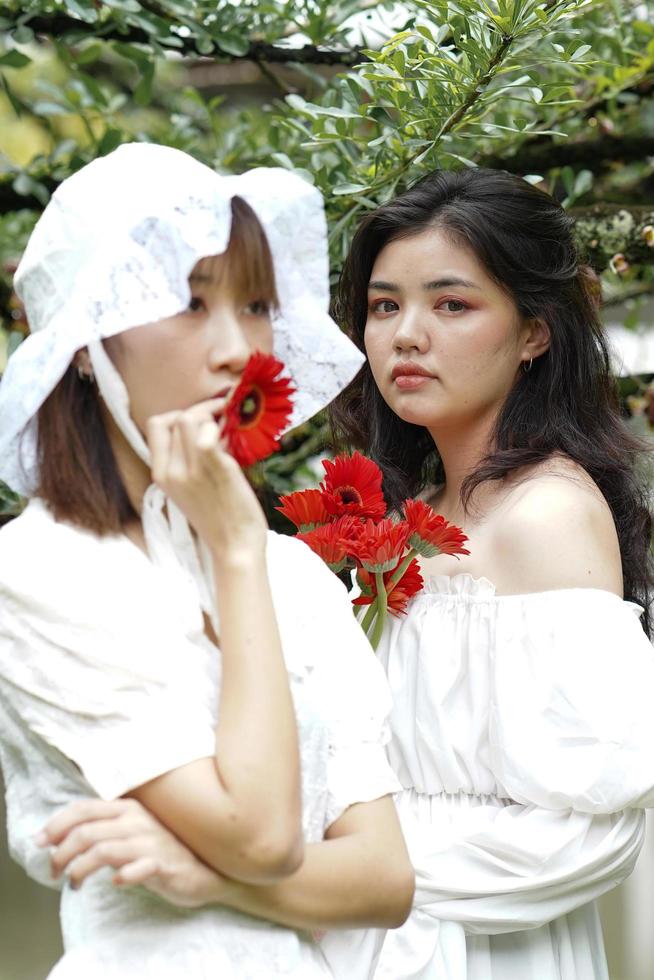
(150, 643)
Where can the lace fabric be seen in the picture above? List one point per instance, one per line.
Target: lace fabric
(100, 262)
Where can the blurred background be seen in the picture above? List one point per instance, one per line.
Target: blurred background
(362, 98)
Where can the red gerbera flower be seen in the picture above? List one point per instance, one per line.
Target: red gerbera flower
(352, 485)
(379, 546)
(430, 534)
(258, 411)
(330, 541)
(305, 508)
(410, 583)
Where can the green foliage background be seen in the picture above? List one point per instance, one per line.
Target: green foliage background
(560, 92)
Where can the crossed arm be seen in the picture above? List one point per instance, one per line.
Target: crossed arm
(360, 875)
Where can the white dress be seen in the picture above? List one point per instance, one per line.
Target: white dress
(523, 735)
(107, 680)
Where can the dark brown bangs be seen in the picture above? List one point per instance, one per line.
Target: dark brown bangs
(247, 264)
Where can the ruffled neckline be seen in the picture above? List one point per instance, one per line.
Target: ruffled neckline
(466, 586)
(461, 584)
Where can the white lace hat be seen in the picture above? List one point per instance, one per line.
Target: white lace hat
(114, 249)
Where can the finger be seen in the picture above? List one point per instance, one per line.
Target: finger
(208, 437)
(210, 409)
(137, 872)
(190, 427)
(106, 854)
(82, 811)
(158, 430)
(177, 470)
(86, 836)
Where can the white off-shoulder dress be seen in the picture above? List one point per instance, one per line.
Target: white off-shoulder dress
(523, 736)
(107, 680)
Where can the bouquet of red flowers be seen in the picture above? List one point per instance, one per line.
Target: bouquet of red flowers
(344, 522)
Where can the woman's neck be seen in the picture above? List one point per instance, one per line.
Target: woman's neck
(461, 449)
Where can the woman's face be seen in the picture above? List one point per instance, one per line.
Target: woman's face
(443, 340)
(196, 355)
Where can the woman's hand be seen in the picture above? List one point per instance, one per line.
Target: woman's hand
(93, 834)
(191, 463)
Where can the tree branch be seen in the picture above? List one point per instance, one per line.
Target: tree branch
(596, 155)
(539, 143)
(60, 26)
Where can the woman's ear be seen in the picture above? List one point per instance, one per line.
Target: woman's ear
(82, 362)
(537, 338)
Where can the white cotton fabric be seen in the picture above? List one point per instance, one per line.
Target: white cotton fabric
(107, 679)
(523, 736)
(113, 250)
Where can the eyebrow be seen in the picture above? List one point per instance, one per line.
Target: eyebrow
(391, 287)
(199, 277)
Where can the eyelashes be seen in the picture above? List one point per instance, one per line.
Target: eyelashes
(377, 306)
(258, 307)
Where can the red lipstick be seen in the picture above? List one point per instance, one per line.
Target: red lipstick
(409, 376)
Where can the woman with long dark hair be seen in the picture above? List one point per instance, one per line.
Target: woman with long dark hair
(522, 677)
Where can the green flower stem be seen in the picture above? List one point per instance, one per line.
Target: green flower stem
(401, 570)
(367, 620)
(382, 603)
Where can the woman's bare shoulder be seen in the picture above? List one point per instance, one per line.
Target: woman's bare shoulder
(553, 529)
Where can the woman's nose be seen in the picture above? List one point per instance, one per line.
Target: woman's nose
(229, 346)
(410, 334)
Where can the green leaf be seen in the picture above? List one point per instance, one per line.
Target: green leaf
(23, 34)
(336, 112)
(128, 6)
(44, 108)
(111, 139)
(140, 56)
(342, 189)
(234, 44)
(14, 101)
(583, 182)
(205, 44)
(143, 91)
(580, 52)
(84, 9)
(91, 52)
(14, 59)
(26, 186)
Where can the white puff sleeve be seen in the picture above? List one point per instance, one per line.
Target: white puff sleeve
(92, 659)
(571, 723)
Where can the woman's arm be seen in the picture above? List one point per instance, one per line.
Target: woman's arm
(360, 875)
(240, 811)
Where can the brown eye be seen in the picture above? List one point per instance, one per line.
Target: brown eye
(258, 307)
(195, 304)
(454, 305)
(384, 306)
